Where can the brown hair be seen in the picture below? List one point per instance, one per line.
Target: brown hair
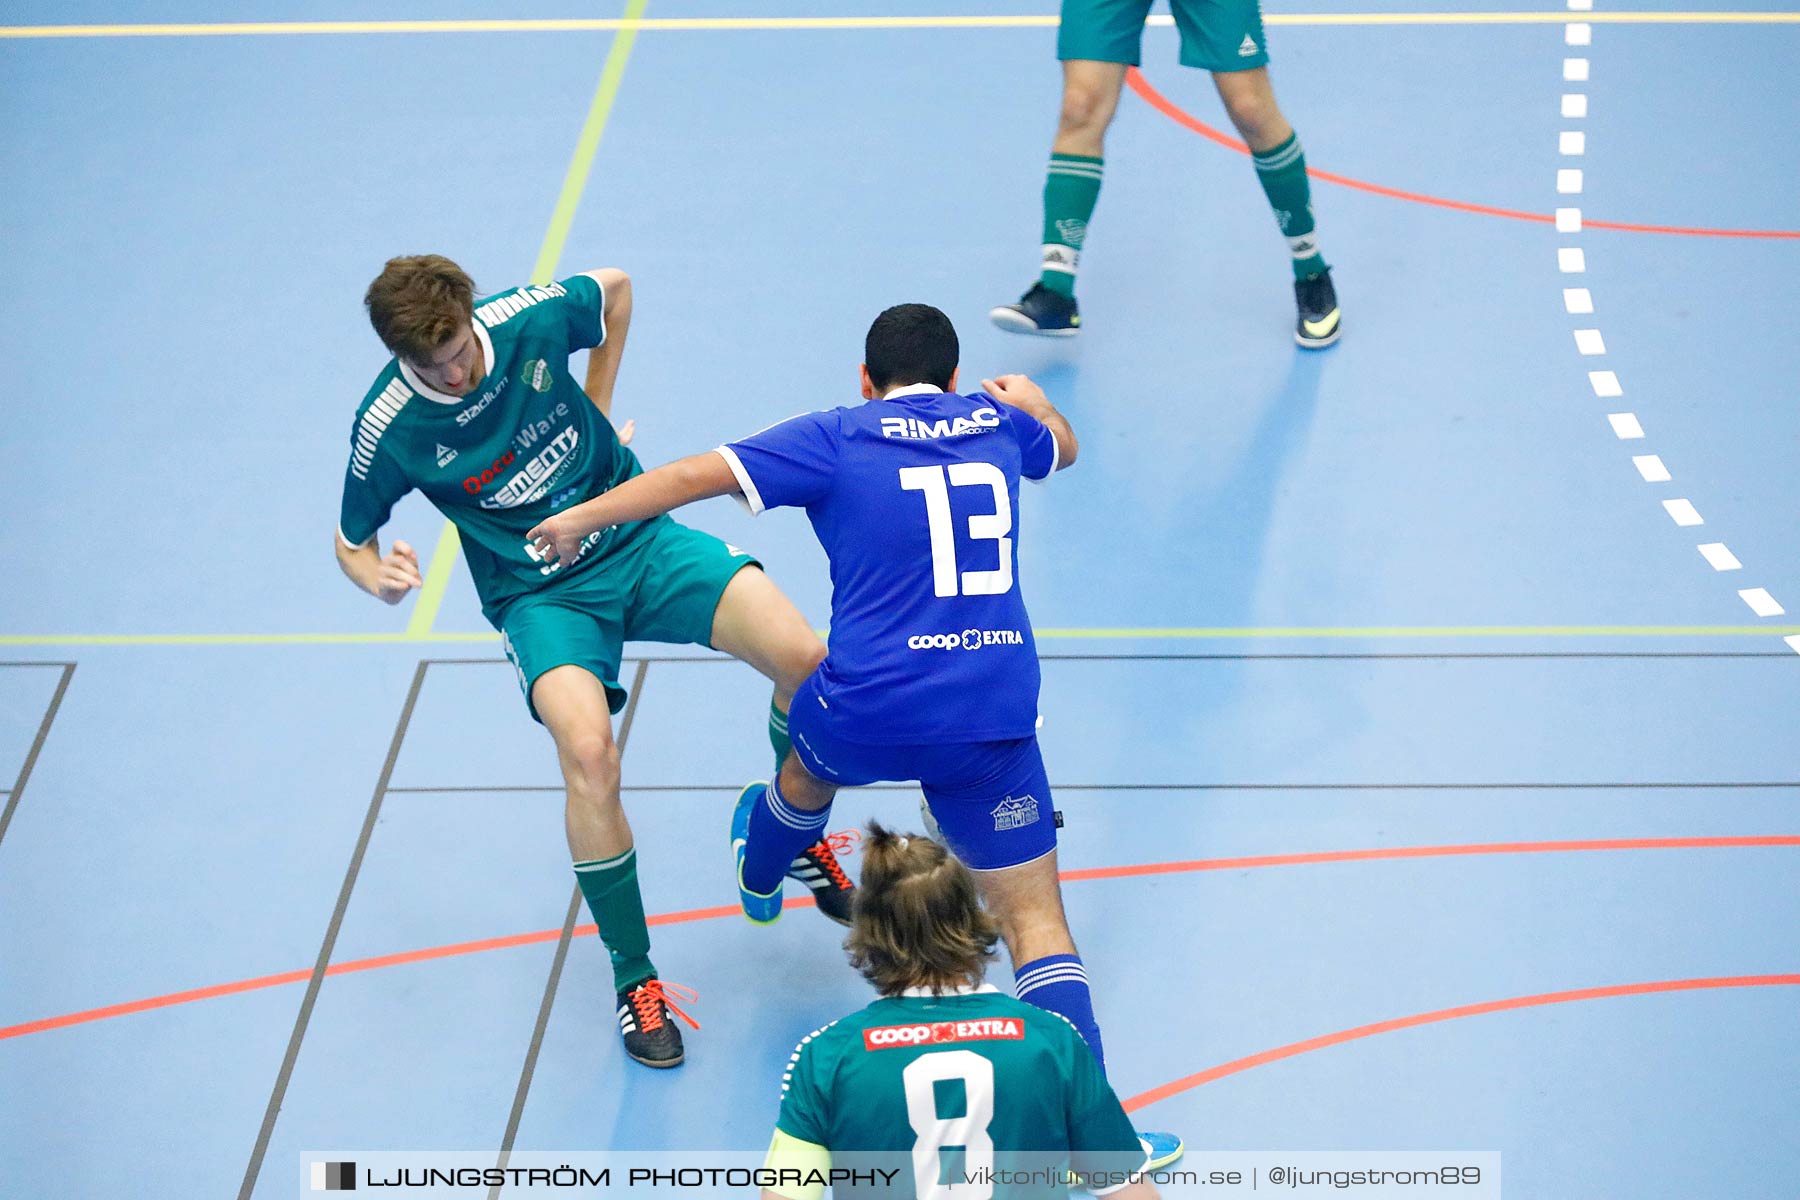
(418, 302)
(918, 920)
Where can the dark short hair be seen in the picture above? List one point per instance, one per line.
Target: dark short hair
(911, 343)
(917, 920)
(418, 302)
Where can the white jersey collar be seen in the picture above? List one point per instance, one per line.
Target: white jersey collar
(914, 389)
(924, 993)
(430, 393)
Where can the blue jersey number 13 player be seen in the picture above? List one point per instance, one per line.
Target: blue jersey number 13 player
(931, 672)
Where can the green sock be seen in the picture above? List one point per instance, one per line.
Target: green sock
(611, 888)
(1071, 185)
(778, 735)
(1282, 173)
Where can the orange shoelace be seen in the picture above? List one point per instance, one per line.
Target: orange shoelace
(649, 998)
(833, 847)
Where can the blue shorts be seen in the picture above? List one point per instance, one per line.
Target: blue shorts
(991, 799)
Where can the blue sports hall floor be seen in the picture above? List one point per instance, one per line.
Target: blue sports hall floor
(1425, 712)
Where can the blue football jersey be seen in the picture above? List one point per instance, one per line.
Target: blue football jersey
(916, 500)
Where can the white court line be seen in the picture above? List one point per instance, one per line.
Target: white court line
(1721, 558)
(1761, 603)
(1683, 513)
(1570, 260)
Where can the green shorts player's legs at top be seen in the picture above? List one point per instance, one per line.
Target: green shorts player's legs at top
(1097, 41)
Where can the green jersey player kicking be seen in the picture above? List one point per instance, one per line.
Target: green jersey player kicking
(945, 1086)
(478, 410)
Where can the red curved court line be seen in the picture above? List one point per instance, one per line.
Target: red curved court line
(1145, 1099)
(539, 936)
(1182, 117)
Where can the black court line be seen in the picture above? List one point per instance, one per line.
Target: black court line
(279, 1093)
(556, 964)
(17, 792)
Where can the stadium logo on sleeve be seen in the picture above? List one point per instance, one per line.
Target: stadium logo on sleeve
(942, 1033)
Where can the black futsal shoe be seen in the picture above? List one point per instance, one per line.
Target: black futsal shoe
(1041, 311)
(646, 1019)
(818, 868)
(1320, 322)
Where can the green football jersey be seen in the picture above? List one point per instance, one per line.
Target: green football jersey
(961, 1093)
(524, 444)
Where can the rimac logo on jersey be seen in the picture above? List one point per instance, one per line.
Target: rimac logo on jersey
(982, 420)
(968, 639)
(1017, 813)
(939, 1033)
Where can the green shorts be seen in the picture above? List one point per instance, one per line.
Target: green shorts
(1216, 35)
(664, 586)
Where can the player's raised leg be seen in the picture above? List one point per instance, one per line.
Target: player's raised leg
(783, 821)
(573, 705)
(1249, 100)
(1072, 179)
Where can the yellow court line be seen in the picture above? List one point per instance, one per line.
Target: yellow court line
(437, 580)
(633, 24)
(562, 217)
(1195, 633)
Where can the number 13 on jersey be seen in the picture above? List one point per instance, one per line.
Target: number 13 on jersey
(993, 527)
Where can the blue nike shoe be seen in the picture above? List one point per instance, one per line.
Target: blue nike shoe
(760, 909)
(1162, 1149)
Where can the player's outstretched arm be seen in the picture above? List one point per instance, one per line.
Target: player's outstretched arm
(603, 360)
(700, 477)
(1021, 393)
(387, 577)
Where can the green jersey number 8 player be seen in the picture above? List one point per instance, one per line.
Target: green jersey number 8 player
(944, 1088)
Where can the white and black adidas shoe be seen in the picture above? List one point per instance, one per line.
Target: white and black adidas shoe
(646, 1020)
(818, 868)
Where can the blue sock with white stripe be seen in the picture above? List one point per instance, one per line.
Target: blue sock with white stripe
(778, 833)
(1058, 982)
